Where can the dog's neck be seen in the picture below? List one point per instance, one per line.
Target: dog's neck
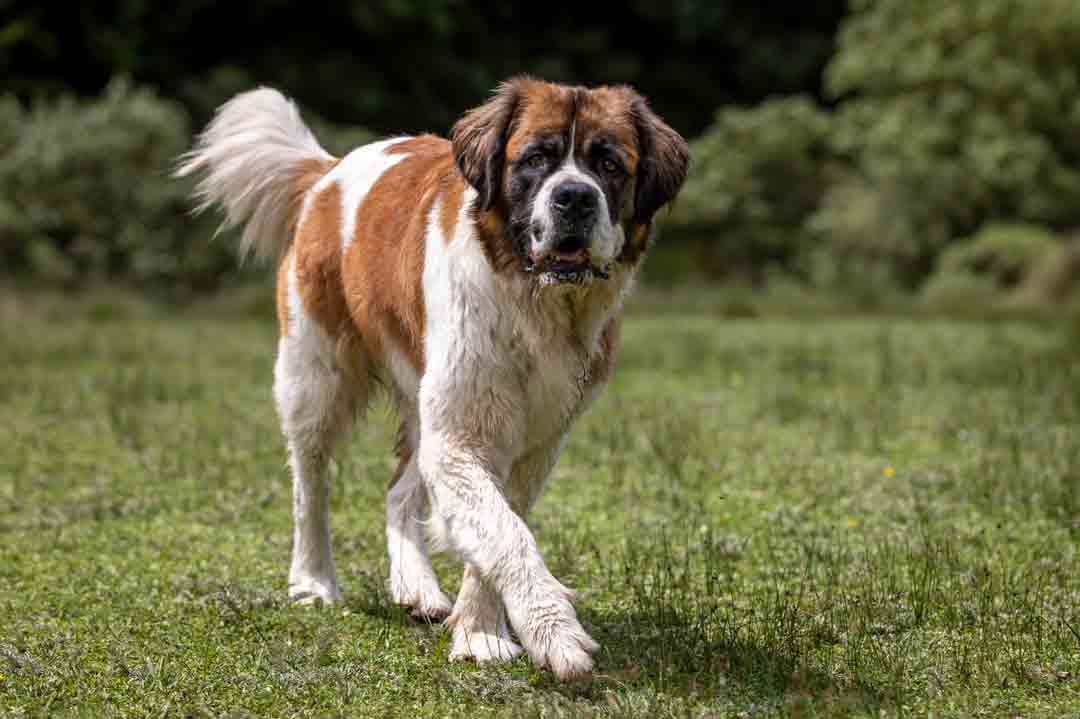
(573, 313)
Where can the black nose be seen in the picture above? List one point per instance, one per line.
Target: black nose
(570, 244)
(575, 199)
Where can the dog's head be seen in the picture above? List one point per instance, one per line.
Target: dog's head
(576, 174)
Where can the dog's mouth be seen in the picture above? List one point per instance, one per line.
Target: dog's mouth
(568, 263)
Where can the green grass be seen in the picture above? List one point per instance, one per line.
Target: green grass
(763, 517)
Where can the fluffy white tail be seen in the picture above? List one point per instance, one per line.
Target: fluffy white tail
(259, 160)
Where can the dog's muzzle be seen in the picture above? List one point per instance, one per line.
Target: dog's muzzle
(566, 257)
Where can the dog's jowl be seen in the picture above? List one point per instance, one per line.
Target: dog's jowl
(481, 279)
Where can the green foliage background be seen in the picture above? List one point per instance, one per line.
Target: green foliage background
(84, 192)
(945, 117)
(849, 149)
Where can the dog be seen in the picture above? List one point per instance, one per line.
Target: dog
(481, 280)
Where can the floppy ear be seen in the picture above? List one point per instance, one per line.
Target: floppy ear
(479, 142)
(664, 160)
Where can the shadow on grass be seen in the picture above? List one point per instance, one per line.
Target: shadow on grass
(682, 619)
(669, 647)
(679, 656)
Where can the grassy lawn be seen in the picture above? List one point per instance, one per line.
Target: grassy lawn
(763, 517)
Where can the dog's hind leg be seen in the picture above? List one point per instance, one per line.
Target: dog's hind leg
(316, 400)
(412, 581)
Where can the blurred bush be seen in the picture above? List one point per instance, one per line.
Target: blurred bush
(948, 118)
(1005, 254)
(757, 175)
(960, 292)
(988, 265)
(952, 115)
(1054, 280)
(86, 194)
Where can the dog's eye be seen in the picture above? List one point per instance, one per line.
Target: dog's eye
(610, 167)
(536, 161)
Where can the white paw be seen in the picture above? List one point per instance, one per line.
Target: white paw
(567, 652)
(555, 638)
(424, 598)
(309, 591)
(482, 646)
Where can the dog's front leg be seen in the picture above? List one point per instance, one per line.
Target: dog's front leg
(470, 513)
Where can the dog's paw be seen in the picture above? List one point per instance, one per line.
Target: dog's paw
(308, 591)
(424, 600)
(555, 638)
(568, 653)
(482, 646)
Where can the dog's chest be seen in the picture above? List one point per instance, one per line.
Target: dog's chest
(506, 365)
(552, 370)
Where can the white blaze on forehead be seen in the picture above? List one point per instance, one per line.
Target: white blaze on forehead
(357, 173)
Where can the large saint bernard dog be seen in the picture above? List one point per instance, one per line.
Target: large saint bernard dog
(481, 280)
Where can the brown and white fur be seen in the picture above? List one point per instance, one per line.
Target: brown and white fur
(481, 279)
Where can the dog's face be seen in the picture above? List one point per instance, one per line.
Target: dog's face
(576, 174)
